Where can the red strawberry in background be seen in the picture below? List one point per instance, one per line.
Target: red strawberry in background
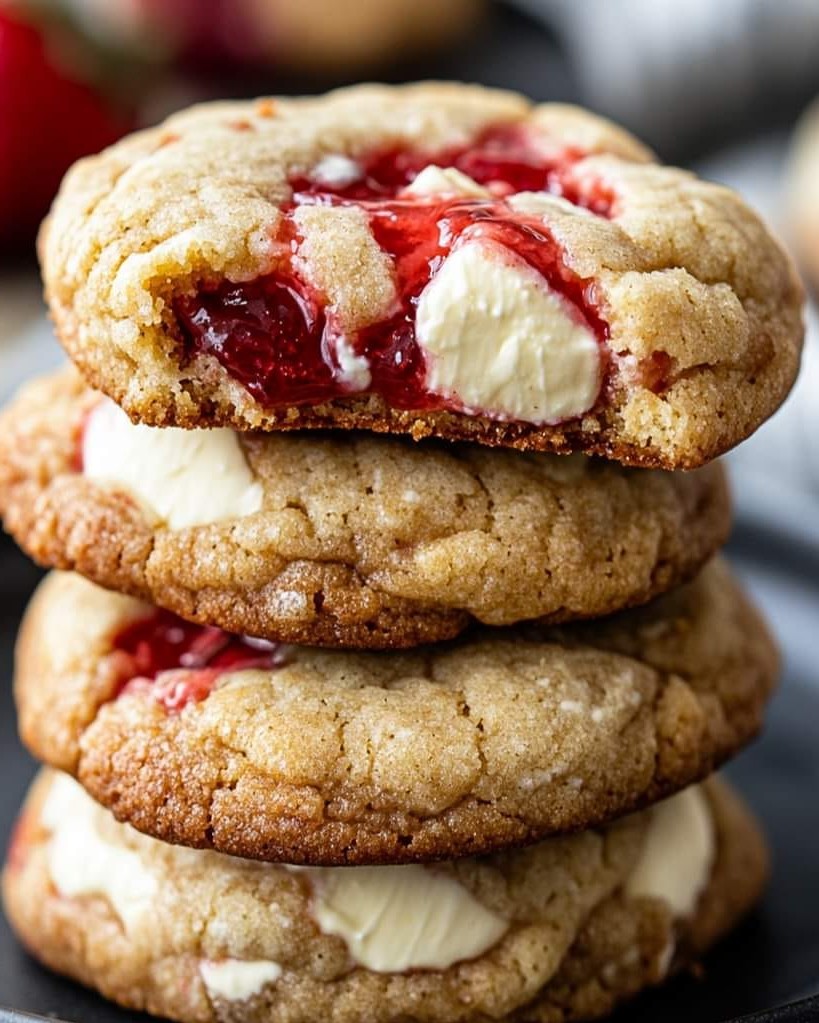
(192, 34)
(48, 119)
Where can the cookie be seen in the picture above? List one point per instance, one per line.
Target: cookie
(437, 260)
(350, 540)
(803, 191)
(562, 930)
(300, 755)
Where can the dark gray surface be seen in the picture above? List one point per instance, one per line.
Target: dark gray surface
(772, 959)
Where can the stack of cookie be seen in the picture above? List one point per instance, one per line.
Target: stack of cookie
(376, 725)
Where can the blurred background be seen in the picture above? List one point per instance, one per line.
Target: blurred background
(719, 87)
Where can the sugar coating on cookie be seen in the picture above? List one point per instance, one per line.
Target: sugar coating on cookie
(432, 259)
(351, 540)
(320, 757)
(550, 929)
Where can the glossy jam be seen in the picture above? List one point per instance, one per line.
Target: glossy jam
(273, 334)
(504, 159)
(178, 663)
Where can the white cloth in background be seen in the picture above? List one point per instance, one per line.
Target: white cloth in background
(27, 343)
(665, 67)
(776, 472)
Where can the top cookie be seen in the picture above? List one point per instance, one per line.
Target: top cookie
(432, 259)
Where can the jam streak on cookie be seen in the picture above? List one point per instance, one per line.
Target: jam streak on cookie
(177, 662)
(273, 334)
(504, 159)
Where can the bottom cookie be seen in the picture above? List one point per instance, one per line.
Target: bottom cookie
(561, 930)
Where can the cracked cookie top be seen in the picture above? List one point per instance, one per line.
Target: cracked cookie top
(347, 540)
(562, 930)
(435, 259)
(328, 757)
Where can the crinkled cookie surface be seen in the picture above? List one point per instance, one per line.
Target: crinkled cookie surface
(355, 540)
(697, 308)
(334, 757)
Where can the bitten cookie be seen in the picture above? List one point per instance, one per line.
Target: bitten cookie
(300, 755)
(562, 930)
(350, 540)
(803, 191)
(435, 259)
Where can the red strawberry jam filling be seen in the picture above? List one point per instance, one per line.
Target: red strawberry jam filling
(178, 663)
(505, 159)
(276, 336)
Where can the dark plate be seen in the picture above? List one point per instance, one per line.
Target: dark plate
(771, 960)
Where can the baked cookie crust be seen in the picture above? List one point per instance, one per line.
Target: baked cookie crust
(577, 944)
(340, 757)
(702, 308)
(364, 541)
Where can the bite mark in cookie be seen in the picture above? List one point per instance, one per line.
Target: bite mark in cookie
(486, 318)
(270, 278)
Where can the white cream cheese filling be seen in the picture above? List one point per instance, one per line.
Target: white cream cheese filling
(336, 171)
(182, 478)
(84, 862)
(445, 181)
(403, 918)
(236, 980)
(678, 854)
(500, 341)
(392, 919)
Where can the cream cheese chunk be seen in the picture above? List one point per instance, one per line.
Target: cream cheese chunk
(434, 180)
(336, 171)
(83, 862)
(678, 855)
(499, 340)
(403, 918)
(236, 980)
(353, 369)
(182, 478)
